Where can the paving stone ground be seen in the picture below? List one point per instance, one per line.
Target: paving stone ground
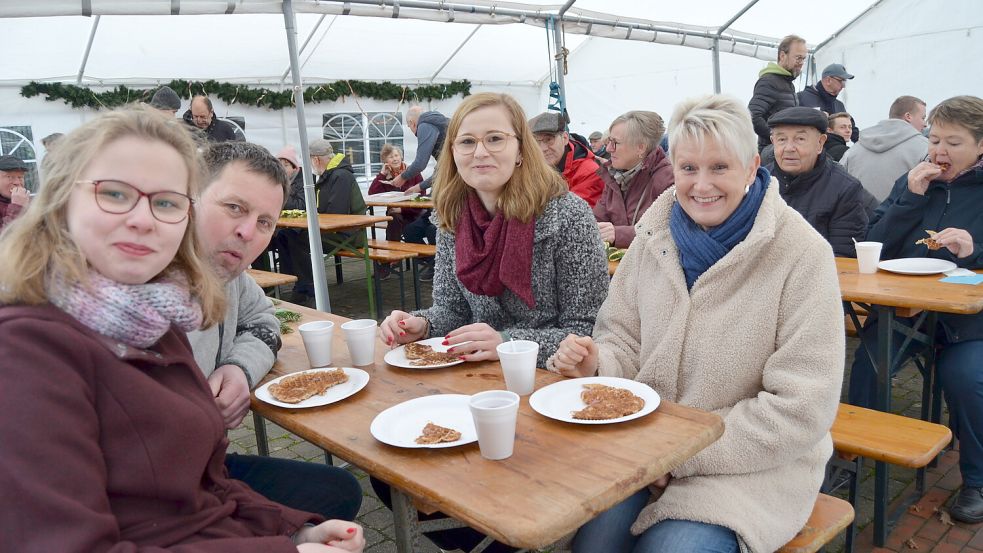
(919, 528)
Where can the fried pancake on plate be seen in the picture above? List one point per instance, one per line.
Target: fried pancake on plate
(421, 355)
(930, 242)
(607, 402)
(416, 350)
(435, 434)
(298, 387)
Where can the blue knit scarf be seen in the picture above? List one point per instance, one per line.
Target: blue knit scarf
(700, 249)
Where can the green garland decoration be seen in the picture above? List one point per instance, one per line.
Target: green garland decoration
(83, 97)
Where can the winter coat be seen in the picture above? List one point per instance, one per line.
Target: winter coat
(624, 210)
(905, 216)
(8, 211)
(579, 168)
(830, 199)
(403, 216)
(759, 341)
(337, 190)
(108, 448)
(248, 337)
(886, 151)
(815, 96)
(431, 130)
(217, 130)
(773, 92)
(295, 199)
(569, 283)
(835, 146)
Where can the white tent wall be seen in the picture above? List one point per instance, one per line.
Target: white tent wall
(909, 47)
(609, 77)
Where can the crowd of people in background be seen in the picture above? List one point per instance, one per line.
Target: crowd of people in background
(731, 219)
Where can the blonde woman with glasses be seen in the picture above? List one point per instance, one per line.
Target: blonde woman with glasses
(111, 437)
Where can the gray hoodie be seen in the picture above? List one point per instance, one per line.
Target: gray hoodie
(886, 151)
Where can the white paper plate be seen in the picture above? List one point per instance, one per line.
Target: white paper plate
(397, 357)
(916, 266)
(357, 379)
(559, 400)
(392, 196)
(401, 424)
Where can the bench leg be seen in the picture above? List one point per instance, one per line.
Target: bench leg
(416, 282)
(405, 529)
(259, 427)
(880, 503)
(402, 289)
(339, 276)
(375, 286)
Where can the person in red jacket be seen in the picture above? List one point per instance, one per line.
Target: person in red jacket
(569, 154)
(393, 166)
(639, 171)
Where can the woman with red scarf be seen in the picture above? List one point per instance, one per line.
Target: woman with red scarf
(518, 256)
(393, 166)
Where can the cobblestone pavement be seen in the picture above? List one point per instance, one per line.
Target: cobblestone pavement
(918, 529)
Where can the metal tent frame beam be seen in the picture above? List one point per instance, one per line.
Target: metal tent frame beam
(88, 49)
(716, 43)
(454, 53)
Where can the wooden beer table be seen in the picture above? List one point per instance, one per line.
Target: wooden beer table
(559, 477)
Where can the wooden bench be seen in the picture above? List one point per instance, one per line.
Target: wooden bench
(421, 250)
(885, 438)
(267, 279)
(830, 515)
(383, 257)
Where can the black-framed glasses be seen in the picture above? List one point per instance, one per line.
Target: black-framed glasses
(494, 142)
(118, 197)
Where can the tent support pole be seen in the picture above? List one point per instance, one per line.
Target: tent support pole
(454, 54)
(88, 48)
(313, 228)
(286, 72)
(560, 57)
(716, 43)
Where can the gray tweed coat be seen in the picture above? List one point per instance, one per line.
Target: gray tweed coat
(569, 282)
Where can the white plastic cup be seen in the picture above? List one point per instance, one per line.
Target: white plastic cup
(495, 413)
(518, 359)
(317, 342)
(868, 254)
(360, 335)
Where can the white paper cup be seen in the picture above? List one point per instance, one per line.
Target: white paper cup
(495, 414)
(317, 342)
(518, 359)
(868, 254)
(360, 335)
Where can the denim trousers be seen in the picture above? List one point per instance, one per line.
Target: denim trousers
(959, 367)
(329, 491)
(609, 532)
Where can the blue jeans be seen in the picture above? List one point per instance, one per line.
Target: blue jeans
(609, 532)
(312, 487)
(960, 370)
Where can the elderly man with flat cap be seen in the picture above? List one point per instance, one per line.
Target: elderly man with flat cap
(568, 154)
(14, 198)
(813, 184)
(823, 94)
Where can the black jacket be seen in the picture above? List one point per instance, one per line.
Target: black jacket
(217, 130)
(295, 200)
(337, 190)
(830, 199)
(772, 93)
(835, 146)
(815, 96)
(904, 217)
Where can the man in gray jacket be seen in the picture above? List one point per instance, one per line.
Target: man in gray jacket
(890, 148)
(235, 219)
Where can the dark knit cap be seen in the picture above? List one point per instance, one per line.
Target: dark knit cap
(166, 98)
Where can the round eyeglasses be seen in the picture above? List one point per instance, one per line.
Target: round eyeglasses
(494, 142)
(118, 197)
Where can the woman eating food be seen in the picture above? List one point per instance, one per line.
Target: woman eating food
(727, 301)
(112, 440)
(935, 211)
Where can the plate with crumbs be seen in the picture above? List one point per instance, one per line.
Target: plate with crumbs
(403, 423)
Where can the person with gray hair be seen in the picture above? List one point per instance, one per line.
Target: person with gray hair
(722, 252)
(637, 173)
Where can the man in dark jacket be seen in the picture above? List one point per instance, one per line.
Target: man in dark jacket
(201, 117)
(568, 154)
(823, 95)
(775, 90)
(839, 131)
(814, 185)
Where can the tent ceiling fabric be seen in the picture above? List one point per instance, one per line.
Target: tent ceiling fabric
(405, 41)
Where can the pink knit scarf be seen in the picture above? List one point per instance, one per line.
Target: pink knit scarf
(135, 314)
(481, 245)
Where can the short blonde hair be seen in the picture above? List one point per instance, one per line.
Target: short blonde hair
(719, 117)
(641, 128)
(39, 240)
(531, 186)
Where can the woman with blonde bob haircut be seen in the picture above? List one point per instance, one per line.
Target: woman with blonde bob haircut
(518, 255)
(112, 438)
(727, 301)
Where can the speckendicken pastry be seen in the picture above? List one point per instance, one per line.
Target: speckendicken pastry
(607, 402)
(435, 434)
(298, 387)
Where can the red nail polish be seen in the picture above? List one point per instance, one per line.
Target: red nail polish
(402, 323)
(445, 343)
(401, 333)
(350, 530)
(462, 358)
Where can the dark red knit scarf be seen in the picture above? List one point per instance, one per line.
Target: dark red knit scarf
(482, 243)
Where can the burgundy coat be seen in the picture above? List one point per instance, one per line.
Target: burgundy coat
(108, 448)
(8, 211)
(623, 211)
